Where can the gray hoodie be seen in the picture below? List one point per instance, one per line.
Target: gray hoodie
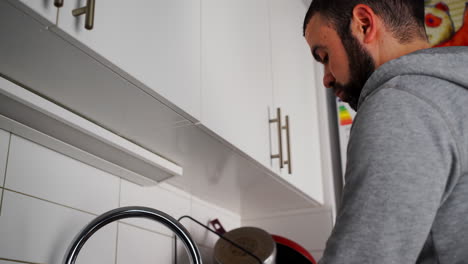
(406, 194)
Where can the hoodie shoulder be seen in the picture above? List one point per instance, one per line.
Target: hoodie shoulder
(449, 64)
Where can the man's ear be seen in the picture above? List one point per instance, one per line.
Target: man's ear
(364, 23)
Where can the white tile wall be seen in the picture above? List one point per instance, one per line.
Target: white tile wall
(37, 231)
(140, 246)
(41, 172)
(4, 142)
(49, 197)
(173, 203)
(137, 245)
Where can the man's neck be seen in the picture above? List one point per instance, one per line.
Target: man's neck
(392, 49)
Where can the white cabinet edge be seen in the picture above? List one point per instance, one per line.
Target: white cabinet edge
(268, 171)
(64, 117)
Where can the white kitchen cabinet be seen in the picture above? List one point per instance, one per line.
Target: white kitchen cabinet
(236, 74)
(295, 94)
(155, 42)
(61, 71)
(41, 8)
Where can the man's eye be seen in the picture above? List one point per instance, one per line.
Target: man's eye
(325, 59)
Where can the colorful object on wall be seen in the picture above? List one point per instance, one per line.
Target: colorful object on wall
(447, 22)
(345, 116)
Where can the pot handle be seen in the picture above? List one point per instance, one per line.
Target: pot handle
(218, 226)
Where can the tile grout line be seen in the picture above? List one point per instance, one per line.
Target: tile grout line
(116, 243)
(48, 201)
(118, 223)
(76, 209)
(5, 173)
(19, 261)
(174, 192)
(146, 229)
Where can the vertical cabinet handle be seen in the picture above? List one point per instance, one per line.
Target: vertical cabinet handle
(288, 141)
(58, 3)
(89, 11)
(277, 120)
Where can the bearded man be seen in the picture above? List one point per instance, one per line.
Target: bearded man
(406, 194)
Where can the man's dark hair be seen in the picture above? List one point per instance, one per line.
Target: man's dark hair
(404, 18)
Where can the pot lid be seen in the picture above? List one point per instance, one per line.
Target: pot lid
(257, 241)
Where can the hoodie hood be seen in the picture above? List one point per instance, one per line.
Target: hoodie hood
(449, 63)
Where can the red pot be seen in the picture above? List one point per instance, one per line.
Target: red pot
(283, 250)
(288, 251)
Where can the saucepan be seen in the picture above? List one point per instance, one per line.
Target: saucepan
(262, 247)
(255, 240)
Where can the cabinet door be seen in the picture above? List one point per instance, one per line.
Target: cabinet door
(43, 8)
(156, 42)
(295, 94)
(236, 73)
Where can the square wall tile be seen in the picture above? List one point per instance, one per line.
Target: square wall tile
(38, 171)
(204, 212)
(173, 203)
(136, 245)
(36, 231)
(4, 142)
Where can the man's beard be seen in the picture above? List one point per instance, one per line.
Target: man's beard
(361, 67)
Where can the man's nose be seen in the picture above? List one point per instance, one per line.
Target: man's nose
(328, 79)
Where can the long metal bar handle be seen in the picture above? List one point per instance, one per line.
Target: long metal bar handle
(288, 141)
(58, 3)
(277, 120)
(89, 11)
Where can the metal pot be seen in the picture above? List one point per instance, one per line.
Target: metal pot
(257, 241)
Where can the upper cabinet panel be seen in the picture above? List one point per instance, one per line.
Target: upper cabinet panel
(294, 92)
(41, 61)
(156, 42)
(236, 73)
(42, 8)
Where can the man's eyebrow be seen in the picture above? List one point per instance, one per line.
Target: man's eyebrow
(314, 52)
